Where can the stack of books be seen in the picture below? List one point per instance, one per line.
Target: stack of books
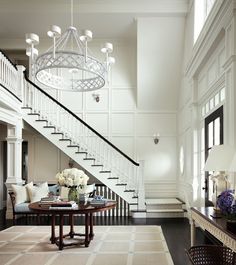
(49, 200)
(63, 205)
(98, 202)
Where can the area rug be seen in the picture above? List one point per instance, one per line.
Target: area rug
(112, 245)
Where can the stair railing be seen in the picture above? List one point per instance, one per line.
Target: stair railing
(82, 135)
(8, 75)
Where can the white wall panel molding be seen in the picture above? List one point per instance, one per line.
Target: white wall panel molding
(160, 189)
(212, 33)
(212, 89)
(9, 116)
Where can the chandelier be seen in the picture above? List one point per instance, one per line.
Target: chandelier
(69, 64)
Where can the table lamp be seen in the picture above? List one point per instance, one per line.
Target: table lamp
(219, 161)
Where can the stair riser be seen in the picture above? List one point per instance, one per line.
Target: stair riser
(164, 215)
(163, 206)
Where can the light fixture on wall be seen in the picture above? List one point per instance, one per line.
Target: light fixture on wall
(219, 161)
(96, 97)
(68, 64)
(156, 138)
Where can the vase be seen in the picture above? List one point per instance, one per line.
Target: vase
(73, 194)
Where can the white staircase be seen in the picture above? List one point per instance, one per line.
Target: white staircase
(82, 143)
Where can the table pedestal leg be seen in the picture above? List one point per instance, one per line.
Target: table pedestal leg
(91, 234)
(61, 232)
(52, 239)
(72, 232)
(86, 231)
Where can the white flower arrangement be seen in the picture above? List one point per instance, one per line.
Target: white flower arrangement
(72, 177)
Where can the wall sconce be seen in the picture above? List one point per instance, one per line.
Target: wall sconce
(96, 97)
(156, 138)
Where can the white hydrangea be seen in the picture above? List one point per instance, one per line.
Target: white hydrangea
(72, 177)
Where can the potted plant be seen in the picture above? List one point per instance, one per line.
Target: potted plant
(75, 179)
(227, 204)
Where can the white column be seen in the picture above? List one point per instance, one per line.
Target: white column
(14, 159)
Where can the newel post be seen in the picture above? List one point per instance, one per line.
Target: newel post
(141, 190)
(20, 81)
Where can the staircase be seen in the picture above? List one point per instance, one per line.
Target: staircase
(82, 143)
(169, 207)
(162, 208)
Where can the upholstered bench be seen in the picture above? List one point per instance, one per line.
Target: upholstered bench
(22, 208)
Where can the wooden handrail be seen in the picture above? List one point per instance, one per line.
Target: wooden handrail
(83, 122)
(14, 65)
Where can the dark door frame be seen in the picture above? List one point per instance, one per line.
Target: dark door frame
(219, 113)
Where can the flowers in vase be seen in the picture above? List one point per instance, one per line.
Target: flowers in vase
(72, 177)
(227, 204)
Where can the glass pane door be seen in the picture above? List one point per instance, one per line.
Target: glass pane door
(213, 136)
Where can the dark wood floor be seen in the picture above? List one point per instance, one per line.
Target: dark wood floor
(176, 230)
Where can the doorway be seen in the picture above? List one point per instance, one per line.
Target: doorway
(214, 130)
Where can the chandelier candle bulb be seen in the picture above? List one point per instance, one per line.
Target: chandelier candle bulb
(32, 38)
(54, 33)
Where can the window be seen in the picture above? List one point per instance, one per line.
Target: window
(202, 9)
(213, 136)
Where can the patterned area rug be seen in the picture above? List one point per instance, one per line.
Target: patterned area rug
(112, 245)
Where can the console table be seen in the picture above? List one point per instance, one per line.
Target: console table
(83, 208)
(215, 226)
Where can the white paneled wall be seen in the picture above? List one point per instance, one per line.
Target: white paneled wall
(117, 117)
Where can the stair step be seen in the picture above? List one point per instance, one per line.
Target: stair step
(80, 152)
(41, 120)
(133, 203)
(121, 184)
(57, 133)
(129, 190)
(62, 139)
(165, 215)
(26, 108)
(105, 171)
(165, 211)
(31, 114)
(71, 145)
(135, 197)
(162, 201)
(113, 178)
(97, 165)
(49, 126)
(89, 158)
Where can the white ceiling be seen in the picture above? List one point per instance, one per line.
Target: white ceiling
(106, 18)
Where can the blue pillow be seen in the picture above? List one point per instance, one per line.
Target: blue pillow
(54, 189)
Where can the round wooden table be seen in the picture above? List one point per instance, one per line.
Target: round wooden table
(83, 208)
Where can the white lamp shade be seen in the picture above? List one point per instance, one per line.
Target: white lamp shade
(220, 158)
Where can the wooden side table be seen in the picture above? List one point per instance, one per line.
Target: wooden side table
(203, 216)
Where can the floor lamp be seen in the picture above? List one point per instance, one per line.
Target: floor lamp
(219, 161)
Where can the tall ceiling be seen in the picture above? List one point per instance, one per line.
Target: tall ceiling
(106, 18)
